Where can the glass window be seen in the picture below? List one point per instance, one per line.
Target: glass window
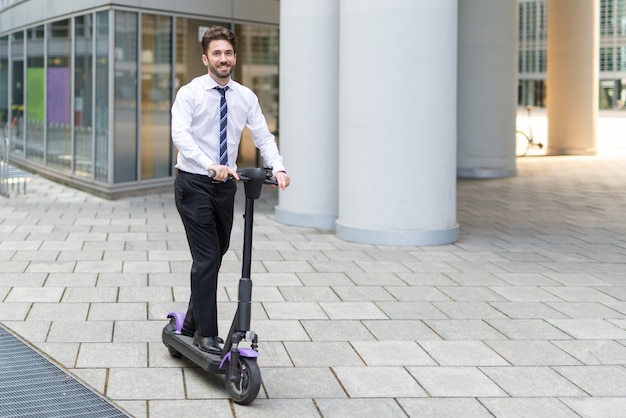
(156, 92)
(83, 96)
(35, 93)
(257, 68)
(58, 91)
(16, 118)
(126, 49)
(4, 80)
(102, 97)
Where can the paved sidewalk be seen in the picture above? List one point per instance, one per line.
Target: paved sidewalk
(524, 316)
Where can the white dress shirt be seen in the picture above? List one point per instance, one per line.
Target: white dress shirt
(196, 125)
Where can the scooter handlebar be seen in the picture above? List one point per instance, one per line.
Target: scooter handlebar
(269, 179)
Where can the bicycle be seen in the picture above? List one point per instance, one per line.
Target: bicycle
(525, 141)
(7, 125)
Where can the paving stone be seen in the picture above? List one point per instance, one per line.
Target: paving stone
(589, 329)
(117, 311)
(80, 331)
(597, 407)
(363, 293)
(532, 382)
(475, 279)
(361, 278)
(58, 312)
(358, 408)
(462, 353)
(597, 380)
(352, 310)
(525, 294)
(470, 293)
(411, 310)
(455, 382)
(579, 294)
(394, 330)
(110, 266)
(71, 280)
(320, 279)
(63, 353)
(586, 310)
(337, 330)
(137, 331)
(16, 311)
(33, 331)
(464, 330)
(34, 294)
(95, 294)
(123, 279)
(417, 293)
(323, 354)
(392, 353)
(527, 329)
(294, 310)
(527, 310)
(443, 407)
(527, 407)
(112, 355)
(145, 383)
(307, 294)
(219, 408)
(280, 330)
(468, 310)
(527, 279)
(301, 383)
(532, 353)
(602, 352)
(378, 382)
(145, 294)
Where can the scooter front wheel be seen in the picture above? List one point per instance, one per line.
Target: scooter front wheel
(244, 385)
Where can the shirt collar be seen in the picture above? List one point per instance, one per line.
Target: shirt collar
(211, 84)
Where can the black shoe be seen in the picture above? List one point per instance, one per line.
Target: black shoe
(186, 332)
(207, 344)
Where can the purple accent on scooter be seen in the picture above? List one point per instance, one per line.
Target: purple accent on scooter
(243, 352)
(179, 317)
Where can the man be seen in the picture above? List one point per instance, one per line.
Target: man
(208, 116)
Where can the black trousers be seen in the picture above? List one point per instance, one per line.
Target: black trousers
(206, 209)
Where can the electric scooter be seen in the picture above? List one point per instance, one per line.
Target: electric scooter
(242, 377)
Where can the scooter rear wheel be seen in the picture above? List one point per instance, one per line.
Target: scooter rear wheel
(173, 352)
(244, 386)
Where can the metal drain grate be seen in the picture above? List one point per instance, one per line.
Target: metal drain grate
(32, 386)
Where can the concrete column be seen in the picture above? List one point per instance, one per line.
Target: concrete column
(573, 61)
(487, 88)
(397, 100)
(309, 66)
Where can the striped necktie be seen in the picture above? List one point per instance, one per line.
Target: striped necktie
(223, 123)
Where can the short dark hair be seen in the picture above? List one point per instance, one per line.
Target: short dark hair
(218, 32)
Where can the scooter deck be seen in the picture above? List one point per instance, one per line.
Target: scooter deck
(184, 345)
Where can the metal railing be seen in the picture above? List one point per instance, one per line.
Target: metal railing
(4, 167)
(11, 178)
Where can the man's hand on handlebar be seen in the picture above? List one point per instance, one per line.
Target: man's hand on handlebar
(282, 179)
(222, 172)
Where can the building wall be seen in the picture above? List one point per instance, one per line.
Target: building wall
(532, 52)
(87, 86)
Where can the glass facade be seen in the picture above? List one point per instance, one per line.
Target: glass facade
(83, 96)
(156, 96)
(87, 98)
(532, 61)
(58, 95)
(532, 52)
